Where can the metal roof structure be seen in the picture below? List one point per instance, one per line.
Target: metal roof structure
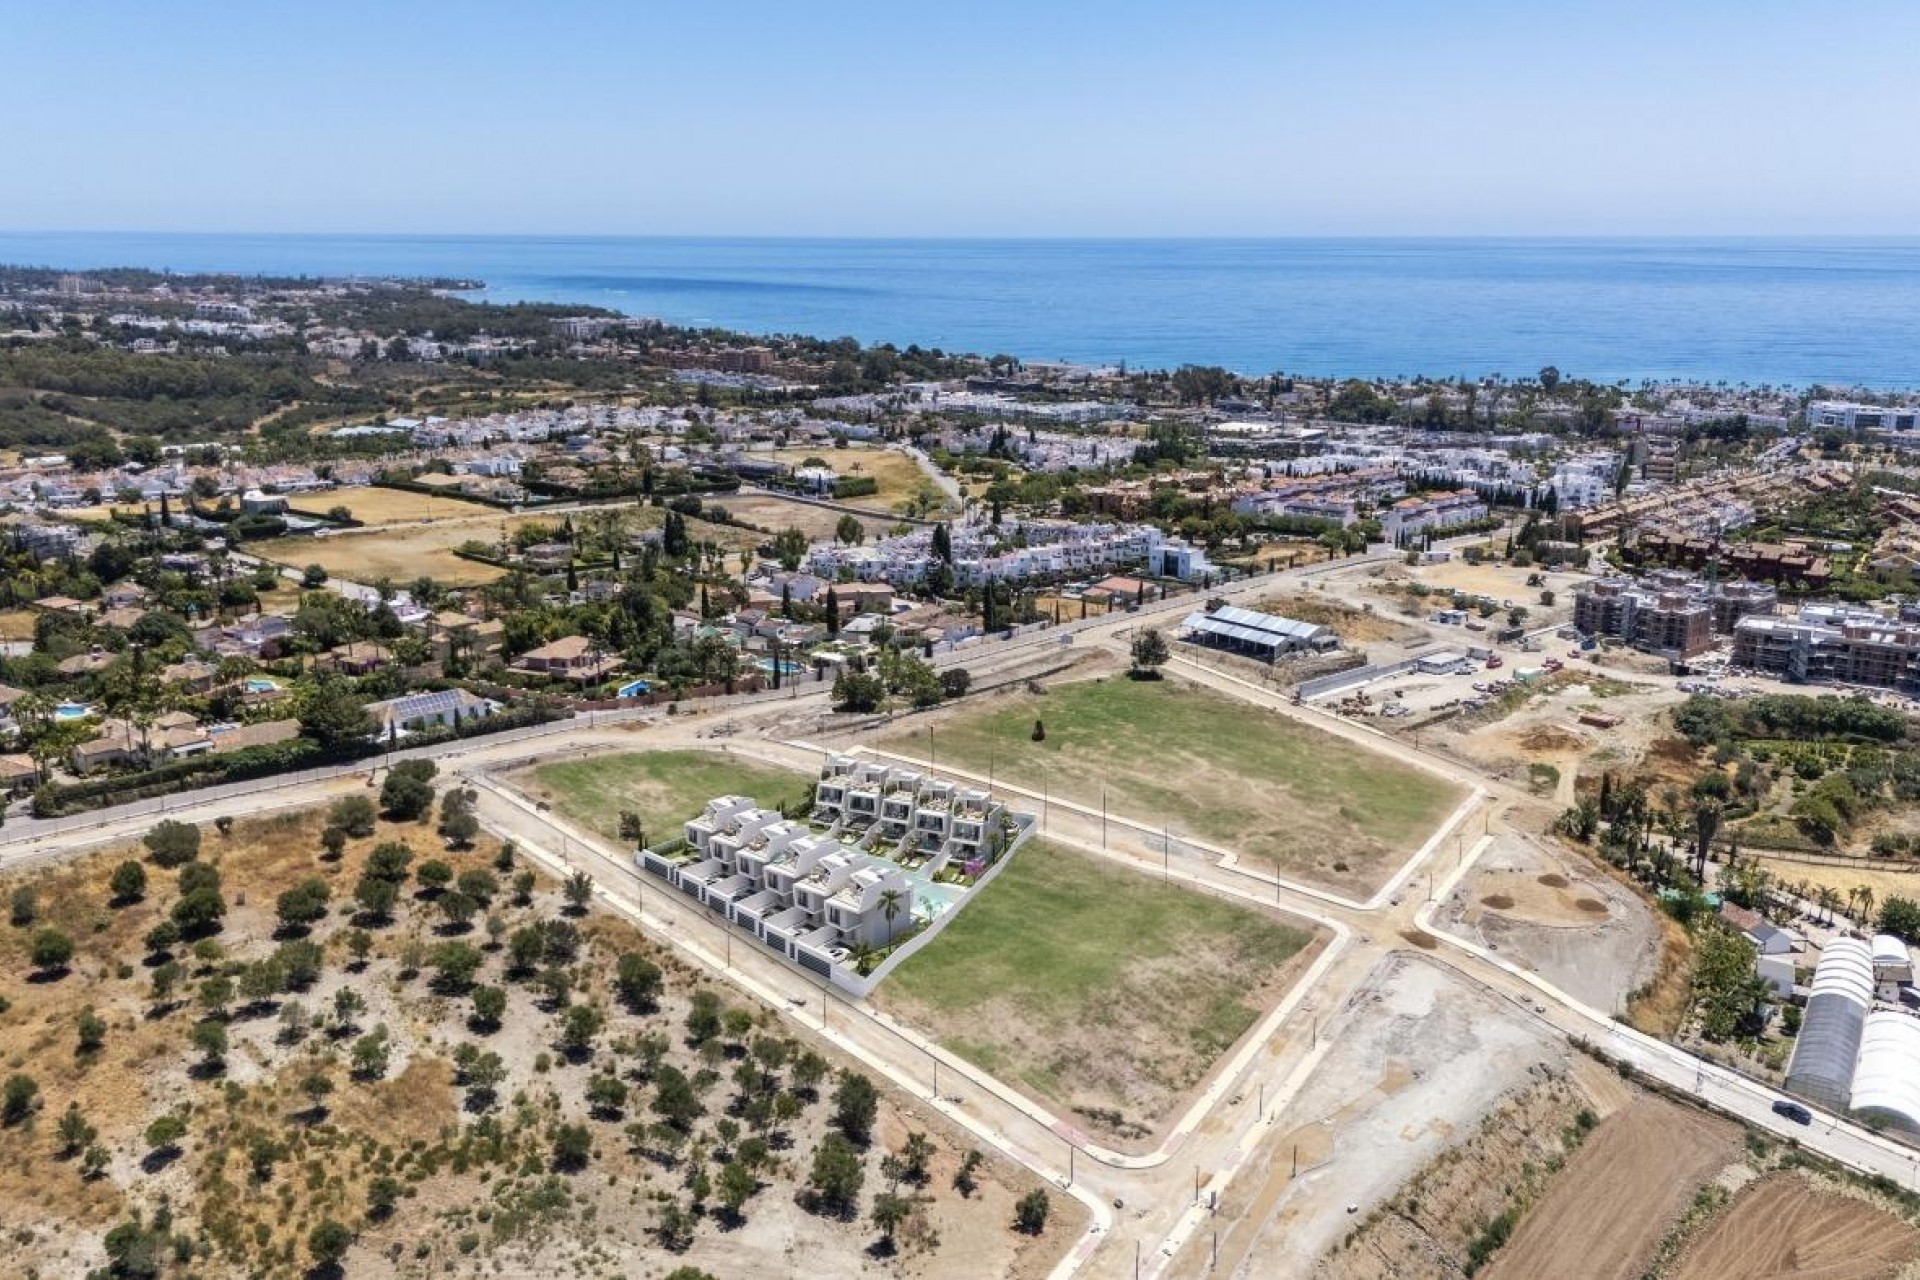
(1886, 1083)
(1890, 952)
(1824, 1053)
(1260, 630)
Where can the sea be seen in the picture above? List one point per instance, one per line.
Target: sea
(1783, 312)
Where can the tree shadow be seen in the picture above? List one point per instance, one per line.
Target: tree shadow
(157, 1160)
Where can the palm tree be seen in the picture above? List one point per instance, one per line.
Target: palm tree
(890, 902)
(1853, 896)
(1866, 904)
(1829, 899)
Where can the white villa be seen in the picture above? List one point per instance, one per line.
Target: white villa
(887, 852)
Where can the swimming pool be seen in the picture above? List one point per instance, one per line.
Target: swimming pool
(634, 689)
(260, 684)
(72, 711)
(786, 668)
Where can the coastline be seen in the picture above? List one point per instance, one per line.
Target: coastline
(1839, 312)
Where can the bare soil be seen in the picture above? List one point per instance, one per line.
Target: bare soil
(1605, 1213)
(1546, 907)
(1419, 1059)
(1424, 1232)
(1785, 1226)
(1356, 626)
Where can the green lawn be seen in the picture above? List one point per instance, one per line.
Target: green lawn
(1236, 775)
(664, 787)
(1095, 986)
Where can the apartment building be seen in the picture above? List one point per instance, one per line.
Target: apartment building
(1015, 551)
(1834, 644)
(1791, 564)
(1669, 613)
(1437, 512)
(1849, 415)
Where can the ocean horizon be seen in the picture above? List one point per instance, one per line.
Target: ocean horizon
(1798, 311)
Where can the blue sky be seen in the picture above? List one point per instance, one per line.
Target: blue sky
(843, 117)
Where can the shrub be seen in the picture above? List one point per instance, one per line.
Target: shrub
(50, 949)
(129, 882)
(354, 815)
(1030, 1214)
(172, 843)
(17, 1098)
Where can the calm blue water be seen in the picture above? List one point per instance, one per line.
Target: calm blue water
(1843, 312)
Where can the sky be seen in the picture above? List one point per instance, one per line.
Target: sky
(989, 118)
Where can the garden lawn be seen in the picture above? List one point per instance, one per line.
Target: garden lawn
(664, 787)
(1094, 986)
(1168, 752)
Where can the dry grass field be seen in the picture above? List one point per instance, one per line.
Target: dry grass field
(362, 1093)
(1785, 1226)
(1239, 776)
(1356, 626)
(775, 513)
(1605, 1213)
(899, 476)
(375, 506)
(1097, 987)
(399, 554)
(665, 788)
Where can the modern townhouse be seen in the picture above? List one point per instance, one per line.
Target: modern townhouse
(885, 853)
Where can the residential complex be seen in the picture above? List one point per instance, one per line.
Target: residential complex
(1670, 613)
(1436, 513)
(1013, 551)
(1836, 644)
(886, 853)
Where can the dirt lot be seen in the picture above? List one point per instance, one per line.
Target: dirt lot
(1427, 1231)
(773, 513)
(1785, 1226)
(1546, 729)
(1419, 1058)
(1357, 626)
(1497, 582)
(1584, 932)
(1605, 1213)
